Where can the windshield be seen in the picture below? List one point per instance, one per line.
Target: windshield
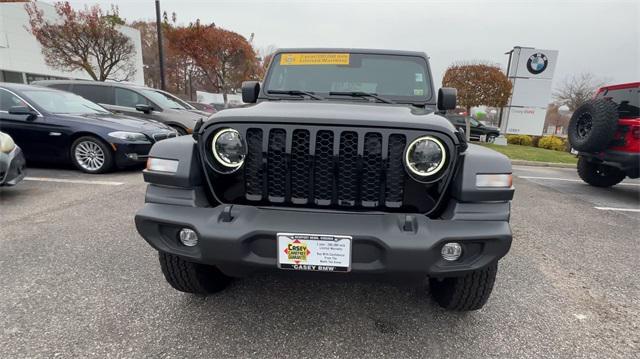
(165, 100)
(399, 78)
(64, 103)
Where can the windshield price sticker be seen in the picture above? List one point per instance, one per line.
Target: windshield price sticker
(314, 59)
(314, 252)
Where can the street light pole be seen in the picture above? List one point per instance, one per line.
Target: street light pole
(160, 49)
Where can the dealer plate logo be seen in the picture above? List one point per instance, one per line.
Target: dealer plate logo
(537, 63)
(297, 251)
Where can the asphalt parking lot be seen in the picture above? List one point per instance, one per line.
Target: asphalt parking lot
(77, 281)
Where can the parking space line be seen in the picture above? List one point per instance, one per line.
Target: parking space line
(570, 180)
(618, 209)
(62, 180)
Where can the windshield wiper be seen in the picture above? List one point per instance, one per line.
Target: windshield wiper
(295, 93)
(360, 94)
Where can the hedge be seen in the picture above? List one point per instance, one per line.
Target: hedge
(553, 143)
(522, 140)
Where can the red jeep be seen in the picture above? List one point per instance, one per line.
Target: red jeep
(606, 132)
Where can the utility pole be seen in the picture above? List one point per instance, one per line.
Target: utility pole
(160, 49)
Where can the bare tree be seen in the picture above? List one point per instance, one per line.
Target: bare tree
(577, 89)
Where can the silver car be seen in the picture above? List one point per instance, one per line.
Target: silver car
(12, 162)
(132, 100)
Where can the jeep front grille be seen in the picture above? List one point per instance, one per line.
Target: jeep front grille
(322, 167)
(331, 174)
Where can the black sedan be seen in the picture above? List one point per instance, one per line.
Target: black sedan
(477, 128)
(60, 127)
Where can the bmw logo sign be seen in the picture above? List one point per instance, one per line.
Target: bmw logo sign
(537, 63)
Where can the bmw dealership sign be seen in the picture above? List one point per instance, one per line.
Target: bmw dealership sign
(527, 62)
(531, 72)
(537, 63)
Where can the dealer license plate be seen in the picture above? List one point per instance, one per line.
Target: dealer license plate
(314, 252)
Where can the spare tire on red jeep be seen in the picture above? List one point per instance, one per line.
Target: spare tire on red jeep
(593, 125)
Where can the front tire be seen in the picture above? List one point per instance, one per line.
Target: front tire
(599, 175)
(91, 155)
(469, 292)
(192, 277)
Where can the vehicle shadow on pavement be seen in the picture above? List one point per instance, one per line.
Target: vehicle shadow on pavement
(8, 194)
(307, 303)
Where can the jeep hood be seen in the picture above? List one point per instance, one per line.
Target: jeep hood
(335, 113)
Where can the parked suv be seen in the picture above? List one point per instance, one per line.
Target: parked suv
(137, 101)
(340, 165)
(606, 132)
(477, 128)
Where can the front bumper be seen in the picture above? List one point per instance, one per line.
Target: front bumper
(242, 239)
(12, 167)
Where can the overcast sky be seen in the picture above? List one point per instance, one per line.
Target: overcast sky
(602, 37)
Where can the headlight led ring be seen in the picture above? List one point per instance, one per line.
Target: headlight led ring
(411, 160)
(225, 159)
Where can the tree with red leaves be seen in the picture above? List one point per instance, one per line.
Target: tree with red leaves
(478, 84)
(86, 40)
(224, 58)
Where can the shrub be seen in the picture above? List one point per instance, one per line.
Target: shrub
(522, 140)
(553, 143)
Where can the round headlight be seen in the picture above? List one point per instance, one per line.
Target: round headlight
(228, 148)
(425, 156)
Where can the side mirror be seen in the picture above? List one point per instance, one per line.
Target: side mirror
(447, 98)
(23, 110)
(250, 91)
(144, 108)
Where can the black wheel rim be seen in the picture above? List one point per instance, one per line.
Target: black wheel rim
(584, 124)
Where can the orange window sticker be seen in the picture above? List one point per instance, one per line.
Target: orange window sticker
(314, 59)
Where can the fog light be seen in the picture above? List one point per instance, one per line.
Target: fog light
(451, 251)
(188, 237)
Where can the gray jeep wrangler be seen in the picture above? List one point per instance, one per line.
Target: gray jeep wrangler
(344, 164)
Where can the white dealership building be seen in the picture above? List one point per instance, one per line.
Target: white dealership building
(21, 59)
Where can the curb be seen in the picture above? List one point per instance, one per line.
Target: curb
(542, 164)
